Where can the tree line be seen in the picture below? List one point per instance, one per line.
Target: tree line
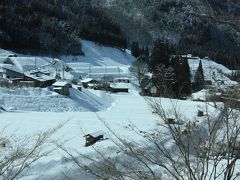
(53, 27)
(170, 70)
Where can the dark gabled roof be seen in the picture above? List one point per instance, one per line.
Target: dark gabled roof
(40, 77)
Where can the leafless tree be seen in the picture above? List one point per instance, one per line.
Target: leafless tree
(207, 147)
(139, 69)
(17, 154)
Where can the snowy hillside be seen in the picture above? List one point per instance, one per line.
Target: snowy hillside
(33, 110)
(99, 61)
(99, 55)
(212, 71)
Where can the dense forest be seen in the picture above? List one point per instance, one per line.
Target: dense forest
(202, 28)
(53, 27)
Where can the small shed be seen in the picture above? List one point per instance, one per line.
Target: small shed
(89, 82)
(119, 87)
(40, 79)
(92, 138)
(149, 89)
(62, 87)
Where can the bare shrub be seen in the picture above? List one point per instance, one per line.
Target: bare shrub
(198, 149)
(17, 154)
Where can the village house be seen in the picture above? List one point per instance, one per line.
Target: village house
(40, 79)
(62, 88)
(149, 89)
(89, 82)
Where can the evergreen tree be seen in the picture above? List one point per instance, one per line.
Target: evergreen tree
(164, 78)
(146, 52)
(135, 50)
(199, 77)
(183, 76)
(160, 55)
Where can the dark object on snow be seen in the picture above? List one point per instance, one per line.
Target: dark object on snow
(92, 138)
(2, 109)
(200, 113)
(171, 121)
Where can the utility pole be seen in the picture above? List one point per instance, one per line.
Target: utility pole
(89, 71)
(35, 62)
(63, 71)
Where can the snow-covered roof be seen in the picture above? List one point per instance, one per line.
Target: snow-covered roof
(10, 67)
(57, 88)
(6, 53)
(86, 80)
(40, 77)
(95, 134)
(60, 83)
(123, 78)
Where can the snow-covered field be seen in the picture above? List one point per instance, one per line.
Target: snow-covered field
(127, 109)
(44, 100)
(32, 110)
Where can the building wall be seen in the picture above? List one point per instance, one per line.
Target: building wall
(66, 91)
(63, 91)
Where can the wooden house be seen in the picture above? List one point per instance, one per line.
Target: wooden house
(89, 82)
(40, 79)
(62, 88)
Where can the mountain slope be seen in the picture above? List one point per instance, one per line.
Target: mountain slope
(201, 27)
(54, 27)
